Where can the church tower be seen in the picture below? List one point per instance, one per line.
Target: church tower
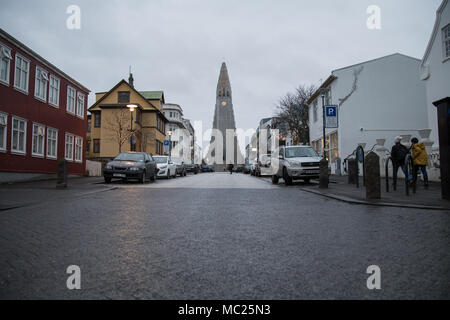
(224, 117)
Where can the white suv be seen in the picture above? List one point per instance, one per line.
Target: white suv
(297, 163)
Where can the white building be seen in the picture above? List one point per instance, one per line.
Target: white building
(377, 101)
(435, 67)
(177, 131)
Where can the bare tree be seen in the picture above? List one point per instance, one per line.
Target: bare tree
(292, 114)
(118, 128)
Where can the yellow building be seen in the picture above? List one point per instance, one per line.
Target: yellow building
(124, 119)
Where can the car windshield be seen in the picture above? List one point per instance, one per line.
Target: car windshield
(135, 157)
(160, 159)
(301, 152)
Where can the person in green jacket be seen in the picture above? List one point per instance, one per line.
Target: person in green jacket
(420, 157)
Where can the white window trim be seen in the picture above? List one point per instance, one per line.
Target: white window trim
(34, 154)
(81, 150)
(444, 58)
(79, 94)
(44, 99)
(24, 152)
(74, 101)
(65, 146)
(25, 91)
(56, 105)
(8, 73)
(56, 145)
(6, 132)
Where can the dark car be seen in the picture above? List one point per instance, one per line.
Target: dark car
(131, 165)
(207, 168)
(194, 168)
(181, 166)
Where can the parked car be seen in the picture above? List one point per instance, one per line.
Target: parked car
(167, 169)
(131, 165)
(264, 165)
(207, 168)
(194, 168)
(247, 168)
(239, 168)
(181, 167)
(297, 163)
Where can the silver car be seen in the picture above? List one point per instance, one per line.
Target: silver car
(297, 163)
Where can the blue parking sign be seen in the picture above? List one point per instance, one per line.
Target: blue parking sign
(166, 143)
(331, 117)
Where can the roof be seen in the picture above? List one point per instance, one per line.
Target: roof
(20, 45)
(152, 95)
(373, 60)
(435, 30)
(325, 84)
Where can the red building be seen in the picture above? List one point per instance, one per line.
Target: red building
(43, 113)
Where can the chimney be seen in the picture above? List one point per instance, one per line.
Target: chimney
(131, 80)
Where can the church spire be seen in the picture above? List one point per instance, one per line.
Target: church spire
(223, 85)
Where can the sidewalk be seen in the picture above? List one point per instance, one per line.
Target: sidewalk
(23, 194)
(339, 189)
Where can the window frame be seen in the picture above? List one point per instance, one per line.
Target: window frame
(51, 157)
(27, 84)
(94, 145)
(120, 94)
(80, 160)
(72, 147)
(80, 94)
(5, 128)
(8, 67)
(70, 88)
(50, 102)
(445, 29)
(19, 152)
(97, 115)
(37, 154)
(42, 70)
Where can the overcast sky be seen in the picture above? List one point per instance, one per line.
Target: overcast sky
(270, 47)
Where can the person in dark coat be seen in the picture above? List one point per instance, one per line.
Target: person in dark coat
(398, 155)
(230, 168)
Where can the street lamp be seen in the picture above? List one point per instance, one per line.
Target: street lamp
(132, 107)
(323, 92)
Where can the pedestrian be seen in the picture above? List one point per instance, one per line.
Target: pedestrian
(230, 167)
(420, 157)
(398, 155)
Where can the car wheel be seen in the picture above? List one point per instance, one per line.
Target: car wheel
(275, 179)
(153, 177)
(107, 180)
(286, 178)
(143, 177)
(168, 174)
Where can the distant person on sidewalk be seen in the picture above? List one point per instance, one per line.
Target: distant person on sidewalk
(230, 168)
(398, 155)
(420, 157)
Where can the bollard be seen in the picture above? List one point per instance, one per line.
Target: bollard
(372, 173)
(352, 168)
(61, 181)
(323, 176)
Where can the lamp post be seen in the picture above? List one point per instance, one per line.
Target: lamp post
(322, 94)
(170, 143)
(132, 107)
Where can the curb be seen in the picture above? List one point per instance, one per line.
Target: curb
(378, 204)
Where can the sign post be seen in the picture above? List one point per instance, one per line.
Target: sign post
(166, 146)
(331, 117)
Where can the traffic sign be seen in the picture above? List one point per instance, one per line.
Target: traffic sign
(166, 143)
(331, 117)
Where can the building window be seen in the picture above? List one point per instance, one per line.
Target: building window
(80, 105)
(446, 41)
(333, 146)
(69, 147)
(315, 111)
(89, 125)
(53, 96)
(124, 96)
(19, 135)
(96, 146)
(78, 149)
(37, 148)
(52, 143)
(97, 120)
(3, 126)
(71, 94)
(5, 64)
(171, 114)
(21, 73)
(40, 87)
(88, 146)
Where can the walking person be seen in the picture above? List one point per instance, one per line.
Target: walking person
(398, 155)
(420, 157)
(230, 167)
